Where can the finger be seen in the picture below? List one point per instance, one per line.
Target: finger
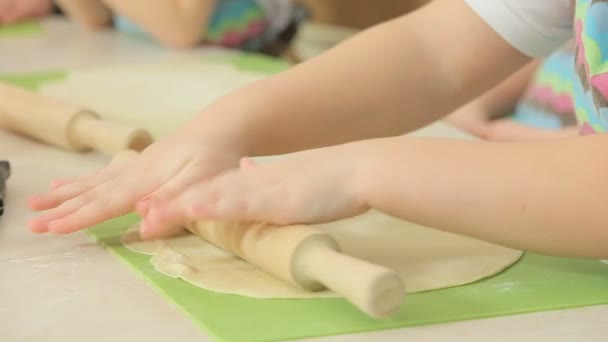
(68, 191)
(64, 189)
(39, 225)
(160, 223)
(112, 168)
(110, 200)
(57, 183)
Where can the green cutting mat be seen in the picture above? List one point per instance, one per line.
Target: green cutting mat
(21, 30)
(536, 283)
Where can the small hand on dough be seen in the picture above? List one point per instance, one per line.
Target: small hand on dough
(307, 187)
(161, 170)
(478, 124)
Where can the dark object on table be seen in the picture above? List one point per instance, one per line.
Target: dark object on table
(282, 42)
(5, 172)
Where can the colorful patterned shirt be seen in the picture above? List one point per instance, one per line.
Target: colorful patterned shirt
(243, 24)
(574, 79)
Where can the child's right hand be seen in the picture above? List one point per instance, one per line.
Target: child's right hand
(163, 169)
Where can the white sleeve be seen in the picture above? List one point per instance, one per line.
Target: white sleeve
(534, 27)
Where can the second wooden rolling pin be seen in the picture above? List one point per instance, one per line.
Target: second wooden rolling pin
(65, 125)
(306, 257)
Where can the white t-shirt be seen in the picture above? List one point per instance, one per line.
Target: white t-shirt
(534, 27)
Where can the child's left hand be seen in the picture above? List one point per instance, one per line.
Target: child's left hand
(471, 120)
(306, 187)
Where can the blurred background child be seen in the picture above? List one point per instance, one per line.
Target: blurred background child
(533, 104)
(253, 25)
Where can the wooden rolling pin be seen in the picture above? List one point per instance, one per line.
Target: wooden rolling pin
(311, 259)
(304, 256)
(65, 125)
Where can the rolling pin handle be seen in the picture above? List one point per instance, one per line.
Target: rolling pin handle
(375, 290)
(88, 131)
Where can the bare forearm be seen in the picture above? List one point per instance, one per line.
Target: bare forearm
(543, 197)
(91, 14)
(386, 81)
(178, 23)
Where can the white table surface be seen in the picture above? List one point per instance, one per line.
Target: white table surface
(69, 289)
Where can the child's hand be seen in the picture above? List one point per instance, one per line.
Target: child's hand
(13, 11)
(509, 130)
(307, 187)
(162, 169)
(470, 120)
(474, 122)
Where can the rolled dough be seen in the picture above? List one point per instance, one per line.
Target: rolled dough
(427, 259)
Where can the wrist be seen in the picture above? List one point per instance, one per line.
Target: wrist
(228, 124)
(369, 163)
